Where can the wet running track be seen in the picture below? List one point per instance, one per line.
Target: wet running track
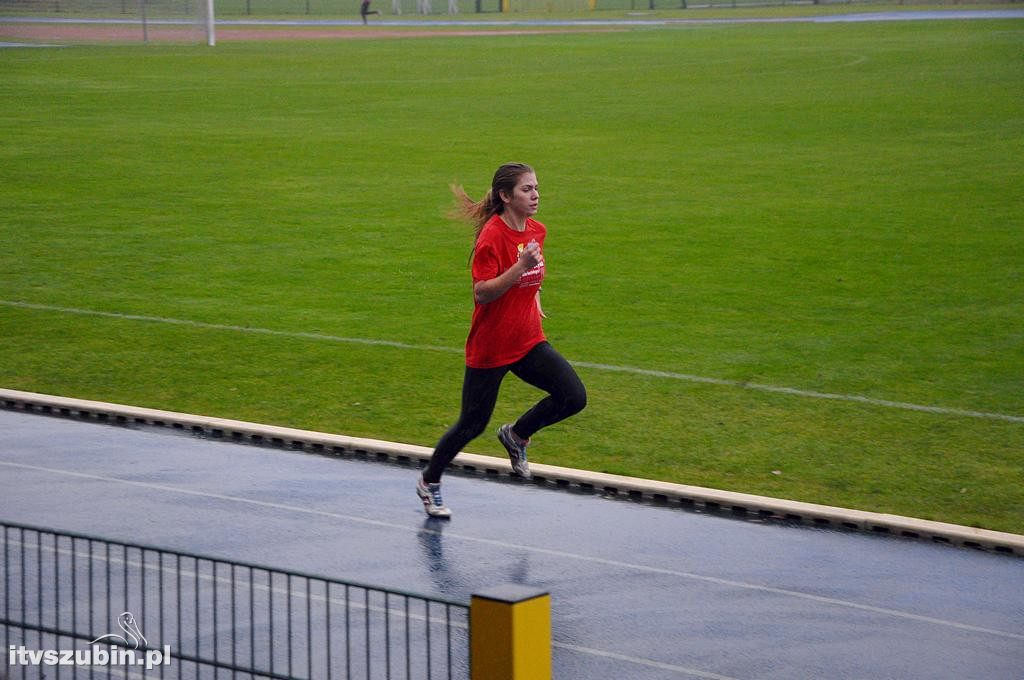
(638, 592)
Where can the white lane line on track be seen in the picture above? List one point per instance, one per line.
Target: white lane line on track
(541, 551)
(942, 410)
(300, 594)
(642, 662)
(297, 592)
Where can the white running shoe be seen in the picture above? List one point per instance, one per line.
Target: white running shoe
(430, 494)
(516, 451)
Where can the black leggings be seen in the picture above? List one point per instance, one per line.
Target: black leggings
(542, 367)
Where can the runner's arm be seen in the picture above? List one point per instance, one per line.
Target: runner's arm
(492, 289)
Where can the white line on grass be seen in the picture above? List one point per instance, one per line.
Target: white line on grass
(584, 364)
(831, 601)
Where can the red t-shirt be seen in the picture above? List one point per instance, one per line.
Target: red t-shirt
(505, 329)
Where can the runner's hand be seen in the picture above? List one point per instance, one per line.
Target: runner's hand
(530, 257)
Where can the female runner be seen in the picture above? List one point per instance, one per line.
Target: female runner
(505, 334)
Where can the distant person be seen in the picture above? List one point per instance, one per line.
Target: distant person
(364, 9)
(505, 333)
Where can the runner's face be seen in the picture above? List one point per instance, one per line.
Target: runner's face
(525, 197)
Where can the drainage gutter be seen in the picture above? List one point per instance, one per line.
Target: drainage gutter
(692, 497)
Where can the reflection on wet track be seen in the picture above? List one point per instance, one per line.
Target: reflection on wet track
(637, 591)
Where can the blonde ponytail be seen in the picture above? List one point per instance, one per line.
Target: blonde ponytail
(475, 213)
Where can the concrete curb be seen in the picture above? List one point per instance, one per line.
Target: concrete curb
(694, 497)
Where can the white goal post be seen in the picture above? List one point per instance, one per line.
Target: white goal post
(109, 21)
(211, 37)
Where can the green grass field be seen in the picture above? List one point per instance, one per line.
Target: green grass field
(830, 208)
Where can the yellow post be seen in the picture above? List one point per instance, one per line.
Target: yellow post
(510, 634)
(506, 5)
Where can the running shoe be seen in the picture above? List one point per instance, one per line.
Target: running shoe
(516, 451)
(430, 494)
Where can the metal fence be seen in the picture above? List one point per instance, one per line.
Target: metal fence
(189, 616)
(647, 5)
(233, 9)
